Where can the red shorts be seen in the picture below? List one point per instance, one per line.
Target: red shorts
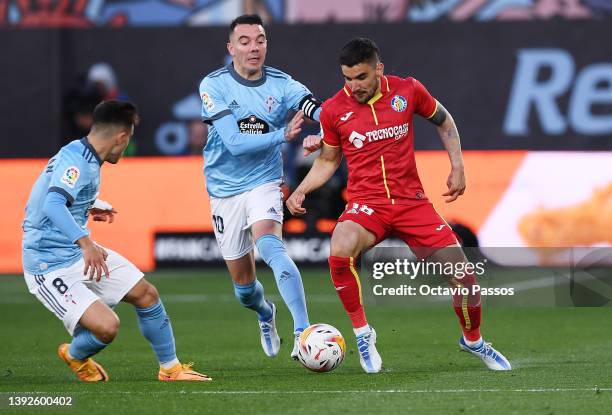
(416, 222)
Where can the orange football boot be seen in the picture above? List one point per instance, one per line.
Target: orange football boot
(181, 372)
(86, 370)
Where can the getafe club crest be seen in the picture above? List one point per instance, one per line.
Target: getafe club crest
(399, 103)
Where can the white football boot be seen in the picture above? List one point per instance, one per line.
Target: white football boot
(485, 351)
(296, 345)
(270, 342)
(369, 358)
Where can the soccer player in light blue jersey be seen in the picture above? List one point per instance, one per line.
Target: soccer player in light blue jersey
(78, 280)
(247, 104)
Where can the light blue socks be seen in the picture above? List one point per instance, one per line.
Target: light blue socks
(156, 328)
(288, 279)
(84, 344)
(252, 296)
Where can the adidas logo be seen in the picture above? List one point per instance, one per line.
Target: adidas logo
(284, 276)
(234, 105)
(272, 210)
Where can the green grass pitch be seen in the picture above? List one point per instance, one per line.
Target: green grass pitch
(561, 357)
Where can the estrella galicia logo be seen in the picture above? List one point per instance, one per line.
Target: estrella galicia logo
(253, 125)
(399, 103)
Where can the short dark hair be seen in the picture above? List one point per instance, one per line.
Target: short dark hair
(359, 50)
(245, 19)
(116, 113)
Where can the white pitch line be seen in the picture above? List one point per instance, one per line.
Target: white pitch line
(325, 392)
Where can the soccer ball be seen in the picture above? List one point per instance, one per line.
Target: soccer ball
(321, 348)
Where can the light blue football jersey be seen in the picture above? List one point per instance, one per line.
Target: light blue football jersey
(259, 106)
(75, 173)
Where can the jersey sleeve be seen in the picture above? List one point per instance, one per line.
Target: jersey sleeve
(239, 144)
(54, 207)
(425, 104)
(213, 101)
(295, 92)
(328, 129)
(70, 175)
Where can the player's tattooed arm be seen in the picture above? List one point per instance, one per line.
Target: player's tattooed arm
(447, 130)
(323, 168)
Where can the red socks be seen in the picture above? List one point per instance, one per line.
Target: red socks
(346, 281)
(347, 284)
(468, 307)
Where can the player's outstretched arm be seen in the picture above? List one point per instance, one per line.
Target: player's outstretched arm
(447, 130)
(323, 168)
(239, 144)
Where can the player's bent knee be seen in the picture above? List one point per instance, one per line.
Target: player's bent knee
(151, 296)
(142, 295)
(107, 329)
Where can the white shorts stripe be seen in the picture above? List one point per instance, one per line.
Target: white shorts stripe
(44, 288)
(51, 301)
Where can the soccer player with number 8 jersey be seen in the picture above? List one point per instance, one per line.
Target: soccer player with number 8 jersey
(78, 280)
(370, 122)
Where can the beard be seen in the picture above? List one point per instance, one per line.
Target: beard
(113, 158)
(364, 97)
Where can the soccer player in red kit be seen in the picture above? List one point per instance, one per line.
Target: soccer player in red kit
(370, 122)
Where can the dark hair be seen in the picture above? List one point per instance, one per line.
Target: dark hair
(124, 114)
(245, 19)
(359, 50)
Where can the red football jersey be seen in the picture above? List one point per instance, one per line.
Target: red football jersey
(377, 138)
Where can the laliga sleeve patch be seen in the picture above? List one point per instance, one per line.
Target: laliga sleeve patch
(207, 101)
(71, 176)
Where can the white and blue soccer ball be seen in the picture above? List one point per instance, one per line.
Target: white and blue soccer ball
(321, 348)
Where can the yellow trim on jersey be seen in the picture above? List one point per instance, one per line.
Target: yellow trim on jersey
(382, 165)
(345, 91)
(387, 81)
(375, 98)
(354, 272)
(327, 144)
(435, 110)
(441, 217)
(371, 104)
(374, 114)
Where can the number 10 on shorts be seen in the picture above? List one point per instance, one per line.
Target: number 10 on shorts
(218, 223)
